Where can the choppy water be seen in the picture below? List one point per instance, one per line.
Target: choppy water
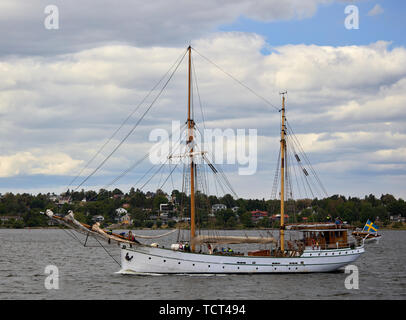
(89, 273)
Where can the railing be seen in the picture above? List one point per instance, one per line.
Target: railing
(328, 246)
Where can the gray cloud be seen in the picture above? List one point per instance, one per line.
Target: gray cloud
(89, 23)
(346, 105)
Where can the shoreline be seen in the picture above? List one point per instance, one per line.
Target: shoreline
(401, 228)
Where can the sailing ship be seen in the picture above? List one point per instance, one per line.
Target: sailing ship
(320, 247)
(369, 232)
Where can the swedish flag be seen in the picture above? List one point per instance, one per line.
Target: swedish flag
(369, 225)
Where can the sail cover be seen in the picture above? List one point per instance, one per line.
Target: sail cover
(232, 239)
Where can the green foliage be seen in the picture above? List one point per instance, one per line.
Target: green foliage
(149, 223)
(397, 225)
(225, 218)
(158, 199)
(246, 220)
(139, 204)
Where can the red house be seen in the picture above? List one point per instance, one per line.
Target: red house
(257, 215)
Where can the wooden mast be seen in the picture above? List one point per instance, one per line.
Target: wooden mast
(192, 173)
(283, 148)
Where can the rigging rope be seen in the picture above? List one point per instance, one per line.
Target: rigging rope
(134, 127)
(238, 81)
(107, 252)
(124, 122)
(296, 142)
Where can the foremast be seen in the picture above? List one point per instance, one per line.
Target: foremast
(190, 142)
(283, 151)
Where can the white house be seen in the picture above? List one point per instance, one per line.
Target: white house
(166, 207)
(218, 206)
(121, 211)
(98, 218)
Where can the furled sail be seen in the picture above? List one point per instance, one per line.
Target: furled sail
(111, 236)
(95, 230)
(68, 221)
(232, 239)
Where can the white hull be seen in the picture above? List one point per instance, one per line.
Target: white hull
(373, 240)
(150, 260)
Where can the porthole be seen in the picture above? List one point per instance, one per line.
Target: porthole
(209, 266)
(164, 260)
(193, 264)
(178, 262)
(223, 267)
(149, 258)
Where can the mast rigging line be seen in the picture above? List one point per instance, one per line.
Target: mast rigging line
(141, 160)
(159, 169)
(134, 127)
(218, 170)
(198, 93)
(125, 121)
(296, 141)
(305, 177)
(238, 81)
(215, 171)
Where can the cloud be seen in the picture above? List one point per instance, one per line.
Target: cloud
(376, 10)
(136, 22)
(346, 105)
(28, 163)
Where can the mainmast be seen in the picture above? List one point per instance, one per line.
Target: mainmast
(191, 125)
(283, 149)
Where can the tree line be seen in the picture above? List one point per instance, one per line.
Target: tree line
(24, 210)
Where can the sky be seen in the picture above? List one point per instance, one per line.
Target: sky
(64, 91)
